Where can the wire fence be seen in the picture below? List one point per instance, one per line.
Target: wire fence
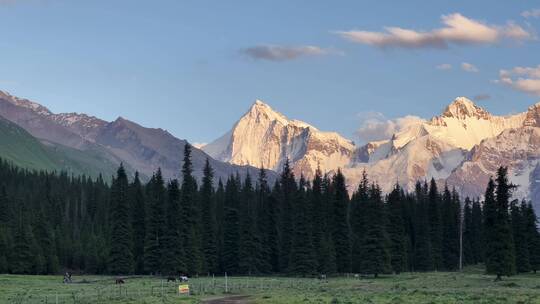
(100, 292)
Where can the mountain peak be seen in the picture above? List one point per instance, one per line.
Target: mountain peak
(462, 108)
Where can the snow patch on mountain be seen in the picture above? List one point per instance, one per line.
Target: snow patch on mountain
(267, 138)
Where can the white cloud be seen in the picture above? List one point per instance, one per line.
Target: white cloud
(375, 126)
(282, 53)
(444, 66)
(457, 29)
(471, 68)
(524, 79)
(533, 13)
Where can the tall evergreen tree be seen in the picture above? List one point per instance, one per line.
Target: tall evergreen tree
(519, 234)
(138, 214)
(500, 258)
(120, 256)
(450, 217)
(477, 235)
(191, 229)
(423, 261)
(435, 225)
(231, 232)
(357, 216)
(287, 194)
(533, 236)
(340, 225)
(208, 217)
(266, 225)
(155, 224)
(302, 259)
(173, 255)
(376, 257)
(249, 245)
(396, 230)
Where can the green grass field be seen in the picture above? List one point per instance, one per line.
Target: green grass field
(470, 286)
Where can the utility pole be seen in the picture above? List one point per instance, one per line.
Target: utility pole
(460, 237)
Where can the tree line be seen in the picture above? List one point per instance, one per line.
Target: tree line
(53, 222)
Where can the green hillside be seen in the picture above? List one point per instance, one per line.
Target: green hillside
(22, 149)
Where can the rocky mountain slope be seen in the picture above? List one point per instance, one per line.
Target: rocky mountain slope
(142, 149)
(264, 137)
(463, 146)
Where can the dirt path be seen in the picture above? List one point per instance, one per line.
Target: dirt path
(229, 300)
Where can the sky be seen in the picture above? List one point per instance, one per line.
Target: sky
(194, 67)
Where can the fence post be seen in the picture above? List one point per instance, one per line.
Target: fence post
(226, 284)
(57, 297)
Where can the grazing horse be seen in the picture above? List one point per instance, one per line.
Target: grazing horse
(184, 279)
(171, 279)
(119, 281)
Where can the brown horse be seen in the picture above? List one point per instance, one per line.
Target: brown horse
(119, 281)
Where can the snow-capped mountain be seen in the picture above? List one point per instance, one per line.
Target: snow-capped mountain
(463, 145)
(432, 148)
(264, 137)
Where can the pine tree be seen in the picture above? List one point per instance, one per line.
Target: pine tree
(208, 217)
(468, 234)
(191, 216)
(340, 225)
(287, 194)
(120, 256)
(266, 224)
(498, 234)
(302, 259)
(396, 232)
(248, 247)
(423, 261)
(155, 224)
(138, 222)
(376, 256)
(231, 231)
(358, 221)
(519, 233)
(173, 256)
(533, 236)
(450, 220)
(477, 235)
(435, 225)
(23, 255)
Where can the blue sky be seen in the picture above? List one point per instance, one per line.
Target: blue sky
(194, 67)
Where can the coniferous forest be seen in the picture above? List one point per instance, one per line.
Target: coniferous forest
(51, 223)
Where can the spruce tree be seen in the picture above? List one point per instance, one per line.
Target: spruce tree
(249, 245)
(266, 223)
(435, 225)
(519, 233)
(499, 242)
(396, 232)
(191, 229)
(287, 194)
(120, 256)
(357, 216)
(450, 217)
(468, 234)
(302, 260)
(155, 224)
(477, 232)
(208, 218)
(376, 256)
(423, 260)
(231, 232)
(533, 236)
(340, 225)
(138, 218)
(173, 256)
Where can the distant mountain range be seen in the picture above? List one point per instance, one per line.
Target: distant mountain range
(79, 143)
(463, 146)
